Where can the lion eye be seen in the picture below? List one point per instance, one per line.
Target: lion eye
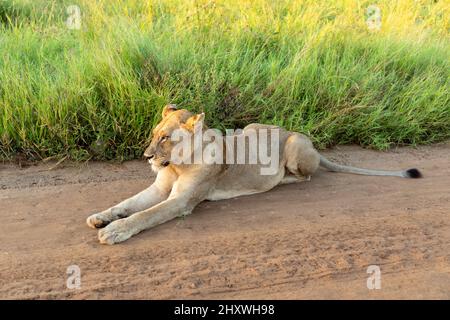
(163, 139)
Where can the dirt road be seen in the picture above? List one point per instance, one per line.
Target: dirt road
(308, 240)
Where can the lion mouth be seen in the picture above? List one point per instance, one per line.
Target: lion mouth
(164, 163)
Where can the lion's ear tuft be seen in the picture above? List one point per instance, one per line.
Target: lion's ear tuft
(168, 109)
(195, 119)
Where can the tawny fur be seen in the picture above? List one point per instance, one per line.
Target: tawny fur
(179, 188)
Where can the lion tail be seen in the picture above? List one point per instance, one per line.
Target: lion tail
(335, 167)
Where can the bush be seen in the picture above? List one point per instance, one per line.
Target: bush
(310, 66)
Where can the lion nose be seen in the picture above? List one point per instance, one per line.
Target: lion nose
(149, 156)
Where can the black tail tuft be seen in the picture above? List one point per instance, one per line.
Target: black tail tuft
(413, 173)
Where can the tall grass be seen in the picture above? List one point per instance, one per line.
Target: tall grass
(310, 66)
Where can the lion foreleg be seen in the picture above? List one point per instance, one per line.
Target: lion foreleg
(156, 193)
(182, 200)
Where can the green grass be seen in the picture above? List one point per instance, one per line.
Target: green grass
(310, 66)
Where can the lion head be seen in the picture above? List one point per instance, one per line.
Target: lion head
(158, 153)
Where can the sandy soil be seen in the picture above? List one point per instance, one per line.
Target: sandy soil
(308, 240)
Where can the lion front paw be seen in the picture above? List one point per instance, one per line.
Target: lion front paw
(98, 220)
(116, 232)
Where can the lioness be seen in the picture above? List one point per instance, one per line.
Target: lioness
(178, 188)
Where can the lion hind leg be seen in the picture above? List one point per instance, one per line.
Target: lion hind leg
(302, 159)
(288, 179)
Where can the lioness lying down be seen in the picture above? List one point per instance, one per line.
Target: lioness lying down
(178, 188)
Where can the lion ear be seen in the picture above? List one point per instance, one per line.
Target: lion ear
(194, 120)
(168, 109)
